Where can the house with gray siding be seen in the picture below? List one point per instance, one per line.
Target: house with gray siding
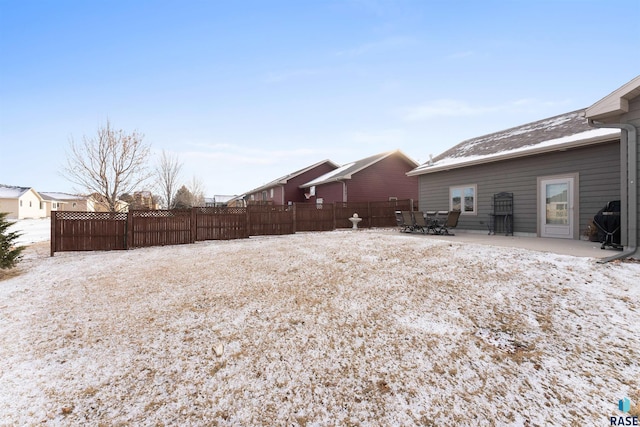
(621, 110)
(561, 170)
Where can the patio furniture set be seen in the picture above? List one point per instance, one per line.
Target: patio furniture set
(438, 222)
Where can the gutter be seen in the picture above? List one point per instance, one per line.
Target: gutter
(632, 187)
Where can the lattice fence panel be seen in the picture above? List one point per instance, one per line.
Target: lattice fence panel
(88, 231)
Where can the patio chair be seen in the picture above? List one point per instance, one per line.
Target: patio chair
(450, 222)
(421, 223)
(405, 221)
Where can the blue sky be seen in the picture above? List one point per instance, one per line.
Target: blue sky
(247, 91)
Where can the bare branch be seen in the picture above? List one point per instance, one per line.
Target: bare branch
(167, 176)
(112, 163)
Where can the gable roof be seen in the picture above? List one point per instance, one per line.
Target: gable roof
(560, 132)
(56, 196)
(284, 179)
(616, 103)
(13, 192)
(348, 170)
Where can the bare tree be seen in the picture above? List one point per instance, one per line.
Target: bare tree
(196, 187)
(112, 163)
(167, 175)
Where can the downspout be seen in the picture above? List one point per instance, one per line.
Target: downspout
(632, 187)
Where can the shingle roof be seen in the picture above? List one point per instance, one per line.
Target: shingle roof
(568, 128)
(12, 192)
(346, 171)
(52, 195)
(520, 136)
(284, 179)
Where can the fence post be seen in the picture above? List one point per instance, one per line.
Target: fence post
(194, 228)
(295, 218)
(333, 209)
(128, 241)
(53, 232)
(248, 219)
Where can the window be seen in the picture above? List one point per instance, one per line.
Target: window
(272, 193)
(264, 196)
(463, 198)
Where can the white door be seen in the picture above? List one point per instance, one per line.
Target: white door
(556, 208)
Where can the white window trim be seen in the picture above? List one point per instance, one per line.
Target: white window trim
(475, 198)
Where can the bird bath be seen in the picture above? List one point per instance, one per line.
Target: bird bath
(355, 220)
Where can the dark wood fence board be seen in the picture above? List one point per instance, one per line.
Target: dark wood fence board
(94, 231)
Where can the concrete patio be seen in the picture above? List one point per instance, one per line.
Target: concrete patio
(579, 248)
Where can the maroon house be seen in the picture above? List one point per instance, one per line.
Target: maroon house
(286, 189)
(381, 177)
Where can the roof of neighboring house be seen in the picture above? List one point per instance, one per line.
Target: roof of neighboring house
(55, 196)
(13, 192)
(284, 179)
(560, 132)
(348, 170)
(616, 103)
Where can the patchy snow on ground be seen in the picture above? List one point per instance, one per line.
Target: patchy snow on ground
(32, 230)
(363, 328)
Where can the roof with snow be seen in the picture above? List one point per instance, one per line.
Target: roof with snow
(346, 171)
(555, 133)
(284, 179)
(12, 192)
(56, 196)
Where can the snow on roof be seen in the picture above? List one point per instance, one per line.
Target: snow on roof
(345, 172)
(52, 195)
(12, 192)
(583, 136)
(327, 176)
(284, 179)
(568, 129)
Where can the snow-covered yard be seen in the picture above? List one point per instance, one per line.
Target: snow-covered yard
(365, 328)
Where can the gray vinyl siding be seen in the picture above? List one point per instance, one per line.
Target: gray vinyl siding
(598, 169)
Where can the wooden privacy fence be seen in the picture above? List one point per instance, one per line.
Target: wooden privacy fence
(92, 231)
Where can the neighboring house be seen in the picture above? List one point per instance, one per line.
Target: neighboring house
(140, 200)
(561, 172)
(218, 201)
(78, 203)
(54, 201)
(237, 201)
(97, 203)
(22, 202)
(287, 190)
(381, 177)
(68, 202)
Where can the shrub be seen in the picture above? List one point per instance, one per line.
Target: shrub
(10, 254)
